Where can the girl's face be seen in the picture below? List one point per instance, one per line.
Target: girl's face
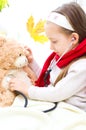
(59, 41)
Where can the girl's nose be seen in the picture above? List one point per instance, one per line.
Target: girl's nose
(51, 46)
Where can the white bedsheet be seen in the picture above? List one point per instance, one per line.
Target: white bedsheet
(64, 117)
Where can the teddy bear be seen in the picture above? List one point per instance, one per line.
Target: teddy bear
(12, 62)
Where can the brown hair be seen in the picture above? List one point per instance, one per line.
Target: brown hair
(76, 16)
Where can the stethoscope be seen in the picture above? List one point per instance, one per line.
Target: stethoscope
(25, 98)
(51, 66)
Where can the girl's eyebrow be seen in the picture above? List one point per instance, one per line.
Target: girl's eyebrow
(52, 38)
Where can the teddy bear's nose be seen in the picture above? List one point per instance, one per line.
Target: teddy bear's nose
(21, 61)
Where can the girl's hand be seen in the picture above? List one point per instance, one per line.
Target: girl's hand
(30, 73)
(19, 85)
(29, 54)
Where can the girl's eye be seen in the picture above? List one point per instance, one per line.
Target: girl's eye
(54, 41)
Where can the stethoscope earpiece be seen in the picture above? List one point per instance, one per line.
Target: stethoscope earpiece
(72, 39)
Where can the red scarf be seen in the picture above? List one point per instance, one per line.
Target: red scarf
(65, 60)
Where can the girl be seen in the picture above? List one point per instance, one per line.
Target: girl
(63, 76)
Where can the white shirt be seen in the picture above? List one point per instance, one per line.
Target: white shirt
(71, 89)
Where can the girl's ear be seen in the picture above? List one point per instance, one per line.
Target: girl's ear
(75, 38)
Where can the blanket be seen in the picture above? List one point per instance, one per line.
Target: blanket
(64, 117)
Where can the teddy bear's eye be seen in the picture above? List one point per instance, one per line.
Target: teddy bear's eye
(20, 54)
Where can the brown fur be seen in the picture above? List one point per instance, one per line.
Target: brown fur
(9, 51)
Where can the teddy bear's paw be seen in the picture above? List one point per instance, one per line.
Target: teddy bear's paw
(6, 98)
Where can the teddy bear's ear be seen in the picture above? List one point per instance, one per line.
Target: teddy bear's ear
(2, 40)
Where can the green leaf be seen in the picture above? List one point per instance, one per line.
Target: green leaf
(3, 4)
